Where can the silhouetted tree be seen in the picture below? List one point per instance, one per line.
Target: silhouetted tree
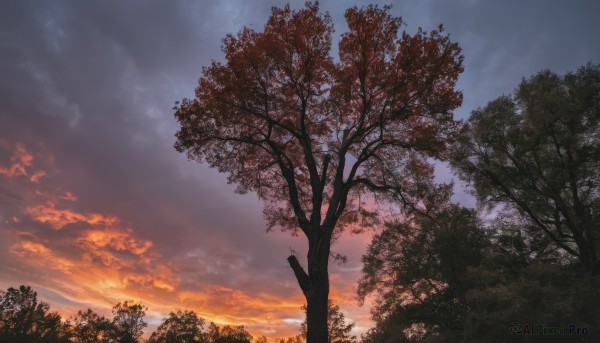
(180, 327)
(295, 339)
(442, 277)
(213, 333)
(234, 334)
(416, 268)
(310, 135)
(522, 278)
(538, 152)
(337, 329)
(24, 319)
(227, 334)
(89, 327)
(128, 322)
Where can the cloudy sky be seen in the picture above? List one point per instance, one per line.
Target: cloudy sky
(97, 207)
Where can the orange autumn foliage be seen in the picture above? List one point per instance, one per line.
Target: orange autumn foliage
(312, 136)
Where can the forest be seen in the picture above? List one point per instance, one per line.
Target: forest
(326, 144)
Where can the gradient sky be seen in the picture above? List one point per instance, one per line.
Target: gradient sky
(96, 206)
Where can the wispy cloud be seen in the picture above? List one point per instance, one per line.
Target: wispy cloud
(59, 218)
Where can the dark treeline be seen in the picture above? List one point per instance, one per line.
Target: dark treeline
(24, 319)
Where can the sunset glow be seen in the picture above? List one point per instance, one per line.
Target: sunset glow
(94, 259)
(97, 207)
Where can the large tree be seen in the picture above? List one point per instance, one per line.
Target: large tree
(538, 152)
(313, 136)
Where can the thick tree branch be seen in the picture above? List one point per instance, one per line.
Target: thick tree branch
(300, 274)
(324, 167)
(288, 175)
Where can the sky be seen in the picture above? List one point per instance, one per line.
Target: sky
(97, 207)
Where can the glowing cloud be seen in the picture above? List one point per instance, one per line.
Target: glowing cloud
(21, 160)
(93, 259)
(59, 218)
(112, 262)
(35, 177)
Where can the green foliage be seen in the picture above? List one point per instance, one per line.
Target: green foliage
(538, 152)
(439, 276)
(448, 279)
(523, 279)
(416, 270)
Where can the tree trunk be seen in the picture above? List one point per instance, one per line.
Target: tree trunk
(316, 310)
(315, 286)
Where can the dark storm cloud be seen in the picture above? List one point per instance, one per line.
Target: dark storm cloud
(94, 83)
(87, 88)
(504, 41)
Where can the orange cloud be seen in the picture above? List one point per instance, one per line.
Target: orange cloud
(35, 177)
(111, 250)
(21, 160)
(115, 239)
(39, 252)
(106, 262)
(58, 218)
(261, 313)
(114, 263)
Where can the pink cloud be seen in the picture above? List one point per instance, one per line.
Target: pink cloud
(59, 218)
(36, 176)
(19, 162)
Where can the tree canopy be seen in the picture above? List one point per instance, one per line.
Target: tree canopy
(440, 275)
(416, 269)
(25, 319)
(90, 327)
(180, 327)
(128, 322)
(313, 137)
(281, 118)
(538, 152)
(449, 279)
